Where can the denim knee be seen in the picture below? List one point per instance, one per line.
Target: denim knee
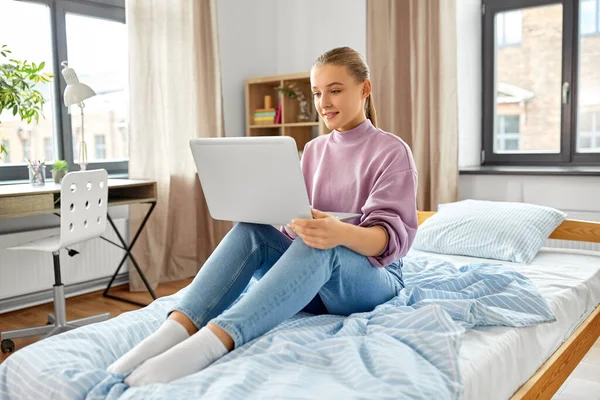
(306, 248)
(249, 229)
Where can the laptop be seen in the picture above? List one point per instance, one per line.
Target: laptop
(253, 179)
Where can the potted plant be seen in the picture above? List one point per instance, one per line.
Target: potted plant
(294, 92)
(59, 169)
(17, 88)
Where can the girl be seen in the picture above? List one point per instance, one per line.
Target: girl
(320, 265)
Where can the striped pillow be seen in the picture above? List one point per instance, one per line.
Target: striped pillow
(488, 229)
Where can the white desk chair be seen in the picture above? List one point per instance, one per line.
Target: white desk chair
(83, 208)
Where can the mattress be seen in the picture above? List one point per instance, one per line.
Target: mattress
(495, 361)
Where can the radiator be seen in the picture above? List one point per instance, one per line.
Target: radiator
(24, 273)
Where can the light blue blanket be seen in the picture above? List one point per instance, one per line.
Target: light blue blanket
(405, 348)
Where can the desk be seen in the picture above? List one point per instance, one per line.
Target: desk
(25, 200)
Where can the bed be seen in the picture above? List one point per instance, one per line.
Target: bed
(539, 359)
(426, 343)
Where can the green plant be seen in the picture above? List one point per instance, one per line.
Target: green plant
(17, 88)
(287, 91)
(60, 165)
(292, 91)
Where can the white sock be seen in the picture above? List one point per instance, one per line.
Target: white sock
(188, 357)
(168, 335)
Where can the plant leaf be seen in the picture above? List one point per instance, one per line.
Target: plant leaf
(18, 82)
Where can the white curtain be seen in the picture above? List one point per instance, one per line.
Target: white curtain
(175, 95)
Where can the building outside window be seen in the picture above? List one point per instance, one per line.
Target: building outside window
(100, 146)
(507, 138)
(589, 131)
(26, 149)
(48, 149)
(6, 157)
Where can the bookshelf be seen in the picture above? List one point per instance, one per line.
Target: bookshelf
(301, 131)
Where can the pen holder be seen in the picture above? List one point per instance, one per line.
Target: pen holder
(37, 175)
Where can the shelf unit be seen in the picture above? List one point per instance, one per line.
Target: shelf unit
(258, 88)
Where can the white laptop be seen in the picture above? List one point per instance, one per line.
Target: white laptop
(253, 179)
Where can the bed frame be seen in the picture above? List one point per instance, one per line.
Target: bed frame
(553, 373)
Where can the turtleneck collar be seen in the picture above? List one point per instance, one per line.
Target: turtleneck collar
(354, 135)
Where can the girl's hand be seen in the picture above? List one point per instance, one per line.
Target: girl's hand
(324, 232)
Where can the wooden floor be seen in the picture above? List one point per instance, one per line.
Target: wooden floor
(583, 383)
(82, 306)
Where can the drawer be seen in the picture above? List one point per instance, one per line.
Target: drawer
(31, 204)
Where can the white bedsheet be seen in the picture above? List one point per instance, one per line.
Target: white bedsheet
(496, 361)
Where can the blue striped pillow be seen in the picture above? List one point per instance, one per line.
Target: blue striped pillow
(488, 229)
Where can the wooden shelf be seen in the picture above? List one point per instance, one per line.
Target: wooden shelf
(290, 125)
(265, 126)
(259, 87)
(301, 124)
(278, 78)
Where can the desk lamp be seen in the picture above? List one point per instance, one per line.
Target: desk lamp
(75, 93)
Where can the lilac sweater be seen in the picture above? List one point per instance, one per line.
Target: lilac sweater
(365, 170)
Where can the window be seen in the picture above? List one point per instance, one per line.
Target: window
(36, 46)
(121, 127)
(508, 28)
(94, 36)
(589, 132)
(26, 146)
(590, 17)
(48, 149)
(6, 157)
(100, 147)
(540, 98)
(105, 70)
(507, 139)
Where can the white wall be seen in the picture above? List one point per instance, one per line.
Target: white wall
(575, 195)
(248, 48)
(308, 28)
(283, 37)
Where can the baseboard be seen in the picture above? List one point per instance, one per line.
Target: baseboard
(46, 296)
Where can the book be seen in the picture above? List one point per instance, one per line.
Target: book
(278, 115)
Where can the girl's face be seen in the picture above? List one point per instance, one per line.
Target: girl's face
(338, 97)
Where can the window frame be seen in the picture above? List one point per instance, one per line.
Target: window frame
(113, 10)
(568, 155)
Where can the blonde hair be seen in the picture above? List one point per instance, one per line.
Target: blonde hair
(357, 67)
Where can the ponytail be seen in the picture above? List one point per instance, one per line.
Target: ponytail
(370, 110)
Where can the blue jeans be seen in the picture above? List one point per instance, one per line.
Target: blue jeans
(291, 277)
